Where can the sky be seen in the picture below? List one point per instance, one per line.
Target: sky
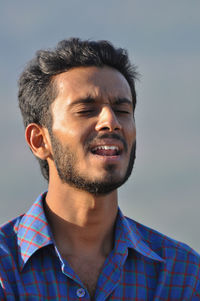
(162, 39)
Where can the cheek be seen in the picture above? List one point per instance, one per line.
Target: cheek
(134, 132)
(68, 130)
(77, 137)
(86, 132)
(131, 132)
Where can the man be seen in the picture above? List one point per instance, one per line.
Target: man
(78, 103)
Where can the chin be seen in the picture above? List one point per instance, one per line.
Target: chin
(102, 186)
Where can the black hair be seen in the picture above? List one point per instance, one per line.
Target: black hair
(36, 86)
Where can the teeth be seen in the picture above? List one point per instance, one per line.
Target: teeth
(106, 147)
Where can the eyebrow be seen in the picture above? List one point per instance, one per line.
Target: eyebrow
(119, 101)
(86, 100)
(113, 101)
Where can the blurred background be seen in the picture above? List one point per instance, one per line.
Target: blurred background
(163, 40)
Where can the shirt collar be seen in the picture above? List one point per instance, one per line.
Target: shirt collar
(127, 235)
(33, 231)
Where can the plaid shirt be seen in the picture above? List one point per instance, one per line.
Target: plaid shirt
(143, 265)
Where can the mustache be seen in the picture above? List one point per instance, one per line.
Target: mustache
(96, 139)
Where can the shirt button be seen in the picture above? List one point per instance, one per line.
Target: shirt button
(80, 292)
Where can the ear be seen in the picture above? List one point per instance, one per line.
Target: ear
(37, 139)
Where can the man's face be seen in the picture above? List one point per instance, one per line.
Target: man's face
(93, 131)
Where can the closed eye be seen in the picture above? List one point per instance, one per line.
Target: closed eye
(123, 108)
(122, 111)
(87, 112)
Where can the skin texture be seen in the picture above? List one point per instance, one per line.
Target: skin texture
(93, 108)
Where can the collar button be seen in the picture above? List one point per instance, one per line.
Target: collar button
(80, 292)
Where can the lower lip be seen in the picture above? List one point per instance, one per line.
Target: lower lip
(108, 158)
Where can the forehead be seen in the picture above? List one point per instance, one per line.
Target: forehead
(92, 81)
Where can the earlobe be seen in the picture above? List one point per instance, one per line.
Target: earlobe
(37, 141)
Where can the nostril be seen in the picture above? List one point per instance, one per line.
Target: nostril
(108, 127)
(105, 128)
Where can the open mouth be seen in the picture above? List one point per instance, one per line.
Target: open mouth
(106, 150)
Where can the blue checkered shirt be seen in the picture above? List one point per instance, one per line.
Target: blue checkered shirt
(143, 265)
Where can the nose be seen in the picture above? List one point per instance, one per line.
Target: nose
(107, 120)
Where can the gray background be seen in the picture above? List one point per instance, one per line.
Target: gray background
(163, 39)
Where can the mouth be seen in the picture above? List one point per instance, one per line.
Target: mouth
(106, 150)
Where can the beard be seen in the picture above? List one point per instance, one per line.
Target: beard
(66, 161)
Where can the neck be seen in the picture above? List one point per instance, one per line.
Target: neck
(81, 222)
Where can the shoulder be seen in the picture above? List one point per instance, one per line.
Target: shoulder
(179, 273)
(166, 247)
(8, 237)
(8, 257)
